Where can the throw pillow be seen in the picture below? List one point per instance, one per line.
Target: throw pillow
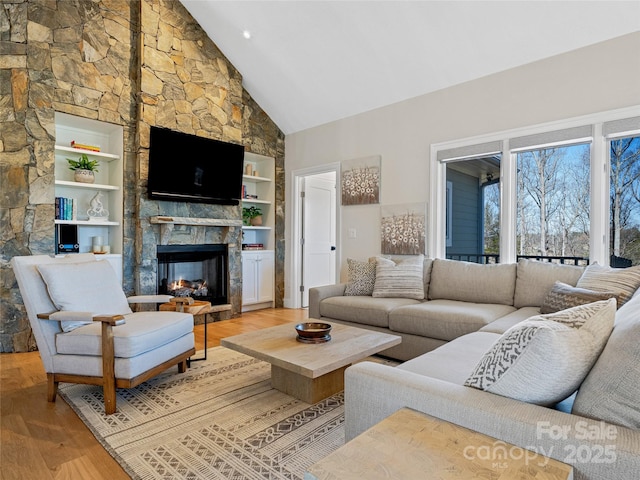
(623, 281)
(544, 359)
(362, 277)
(84, 287)
(403, 279)
(562, 296)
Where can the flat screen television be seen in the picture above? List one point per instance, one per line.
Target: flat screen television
(189, 168)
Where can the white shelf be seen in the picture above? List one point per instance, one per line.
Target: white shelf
(105, 156)
(91, 186)
(251, 227)
(255, 179)
(255, 200)
(95, 223)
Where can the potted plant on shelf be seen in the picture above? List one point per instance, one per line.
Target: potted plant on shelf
(251, 216)
(84, 169)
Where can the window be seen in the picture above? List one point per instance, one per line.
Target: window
(547, 196)
(553, 203)
(624, 191)
(473, 209)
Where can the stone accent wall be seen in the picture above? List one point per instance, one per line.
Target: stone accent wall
(134, 63)
(67, 56)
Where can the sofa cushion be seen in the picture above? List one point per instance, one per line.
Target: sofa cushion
(84, 287)
(623, 281)
(361, 277)
(503, 324)
(562, 296)
(472, 282)
(142, 332)
(454, 361)
(544, 359)
(611, 391)
(365, 310)
(402, 279)
(426, 268)
(445, 319)
(534, 279)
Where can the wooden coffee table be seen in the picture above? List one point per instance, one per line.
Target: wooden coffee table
(310, 372)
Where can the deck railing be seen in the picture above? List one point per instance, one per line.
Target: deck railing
(495, 258)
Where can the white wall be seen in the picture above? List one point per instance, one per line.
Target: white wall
(601, 77)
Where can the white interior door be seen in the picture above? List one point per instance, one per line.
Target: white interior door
(318, 232)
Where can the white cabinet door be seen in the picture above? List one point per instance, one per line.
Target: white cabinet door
(249, 278)
(258, 269)
(265, 275)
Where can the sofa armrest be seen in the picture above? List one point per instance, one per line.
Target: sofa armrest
(596, 449)
(317, 294)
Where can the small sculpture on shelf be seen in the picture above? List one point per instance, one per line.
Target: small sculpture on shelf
(96, 210)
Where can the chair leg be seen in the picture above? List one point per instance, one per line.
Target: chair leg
(108, 369)
(109, 394)
(182, 366)
(52, 387)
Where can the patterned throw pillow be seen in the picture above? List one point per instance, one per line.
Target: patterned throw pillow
(562, 296)
(362, 277)
(399, 280)
(544, 359)
(622, 281)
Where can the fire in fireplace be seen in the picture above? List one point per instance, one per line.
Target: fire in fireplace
(197, 271)
(188, 288)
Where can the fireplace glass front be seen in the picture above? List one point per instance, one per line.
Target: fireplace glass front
(197, 271)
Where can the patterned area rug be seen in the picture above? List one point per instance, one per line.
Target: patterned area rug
(219, 420)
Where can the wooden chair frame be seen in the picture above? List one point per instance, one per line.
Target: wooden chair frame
(108, 380)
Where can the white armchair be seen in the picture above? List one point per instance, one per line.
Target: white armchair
(86, 332)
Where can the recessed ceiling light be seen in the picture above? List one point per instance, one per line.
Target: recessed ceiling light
(246, 34)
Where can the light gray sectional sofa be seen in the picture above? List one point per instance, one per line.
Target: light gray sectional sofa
(597, 430)
(459, 298)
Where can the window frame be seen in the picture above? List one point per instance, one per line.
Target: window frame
(599, 187)
(607, 139)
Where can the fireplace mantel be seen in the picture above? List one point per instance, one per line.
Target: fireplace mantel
(167, 223)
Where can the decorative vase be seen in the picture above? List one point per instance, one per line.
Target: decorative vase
(256, 221)
(84, 176)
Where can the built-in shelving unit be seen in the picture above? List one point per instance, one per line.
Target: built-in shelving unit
(258, 265)
(109, 178)
(259, 189)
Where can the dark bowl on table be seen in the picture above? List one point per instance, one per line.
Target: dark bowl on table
(312, 330)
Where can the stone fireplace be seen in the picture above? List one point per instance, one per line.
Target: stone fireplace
(196, 271)
(180, 253)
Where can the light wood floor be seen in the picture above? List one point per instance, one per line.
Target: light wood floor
(42, 440)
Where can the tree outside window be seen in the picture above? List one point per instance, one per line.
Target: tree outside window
(553, 202)
(624, 158)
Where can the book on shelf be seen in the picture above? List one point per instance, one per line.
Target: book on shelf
(66, 208)
(252, 246)
(84, 146)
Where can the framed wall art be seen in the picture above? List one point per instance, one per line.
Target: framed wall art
(360, 181)
(403, 229)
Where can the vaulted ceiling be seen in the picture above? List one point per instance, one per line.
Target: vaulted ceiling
(312, 62)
